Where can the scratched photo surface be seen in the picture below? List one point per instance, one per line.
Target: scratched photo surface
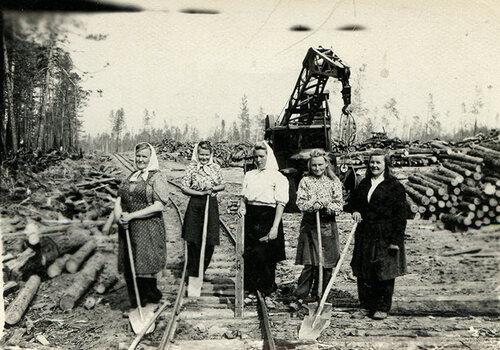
(85, 82)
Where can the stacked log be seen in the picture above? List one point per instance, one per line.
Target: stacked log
(462, 192)
(82, 282)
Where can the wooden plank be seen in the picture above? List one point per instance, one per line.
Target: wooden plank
(239, 287)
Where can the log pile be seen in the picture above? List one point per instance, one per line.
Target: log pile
(225, 153)
(53, 227)
(462, 192)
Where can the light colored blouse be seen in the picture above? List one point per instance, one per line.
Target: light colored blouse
(375, 182)
(265, 187)
(313, 189)
(199, 179)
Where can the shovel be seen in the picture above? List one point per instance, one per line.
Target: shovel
(194, 284)
(319, 317)
(320, 255)
(137, 317)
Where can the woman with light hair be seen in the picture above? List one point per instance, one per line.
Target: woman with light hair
(319, 191)
(263, 199)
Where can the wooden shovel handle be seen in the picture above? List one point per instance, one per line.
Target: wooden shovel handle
(320, 254)
(203, 240)
(132, 269)
(337, 269)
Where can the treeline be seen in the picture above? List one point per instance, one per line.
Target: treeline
(425, 126)
(42, 93)
(246, 127)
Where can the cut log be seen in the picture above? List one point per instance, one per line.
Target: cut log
(492, 180)
(96, 182)
(464, 158)
(57, 266)
(422, 189)
(450, 173)
(471, 191)
(109, 222)
(438, 189)
(82, 282)
(9, 287)
(18, 307)
(107, 278)
(489, 189)
(485, 150)
(467, 206)
(446, 180)
(458, 169)
(79, 257)
(417, 196)
(475, 168)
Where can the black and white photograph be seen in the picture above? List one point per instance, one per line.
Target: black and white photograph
(254, 175)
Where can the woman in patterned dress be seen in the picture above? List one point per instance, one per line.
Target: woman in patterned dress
(264, 196)
(202, 180)
(141, 200)
(321, 192)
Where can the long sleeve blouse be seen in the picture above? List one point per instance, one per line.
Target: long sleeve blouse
(323, 189)
(265, 187)
(200, 178)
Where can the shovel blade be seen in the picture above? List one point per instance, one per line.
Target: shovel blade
(139, 323)
(310, 329)
(194, 287)
(314, 324)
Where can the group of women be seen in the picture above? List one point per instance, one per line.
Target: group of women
(377, 206)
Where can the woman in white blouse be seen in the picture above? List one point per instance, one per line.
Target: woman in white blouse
(264, 196)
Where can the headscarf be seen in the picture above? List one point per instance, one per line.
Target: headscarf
(152, 165)
(271, 163)
(206, 167)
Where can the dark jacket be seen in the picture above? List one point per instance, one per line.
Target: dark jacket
(383, 224)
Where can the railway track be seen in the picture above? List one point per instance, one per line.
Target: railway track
(219, 294)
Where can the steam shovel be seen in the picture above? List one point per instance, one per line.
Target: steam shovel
(195, 283)
(319, 317)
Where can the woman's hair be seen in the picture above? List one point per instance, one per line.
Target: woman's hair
(329, 171)
(205, 145)
(141, 146)
(388, 165)
(260, 146)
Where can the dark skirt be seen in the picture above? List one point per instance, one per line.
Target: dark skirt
(261, 257)
(308, 244)
(258, 221)
(192, 230)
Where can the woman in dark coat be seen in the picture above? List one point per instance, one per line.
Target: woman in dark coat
(379, 206)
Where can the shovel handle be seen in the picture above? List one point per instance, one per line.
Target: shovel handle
(201, 265)
(336, 272)
(132, 269)
(320, 254)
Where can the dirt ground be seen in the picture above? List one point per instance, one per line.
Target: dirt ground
(445, 302)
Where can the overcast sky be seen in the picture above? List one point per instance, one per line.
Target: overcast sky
(188, 67)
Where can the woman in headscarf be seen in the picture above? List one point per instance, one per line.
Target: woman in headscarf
(378, 204)
(318, 191)
(202, 178)
(264, 196)
(141, 200)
